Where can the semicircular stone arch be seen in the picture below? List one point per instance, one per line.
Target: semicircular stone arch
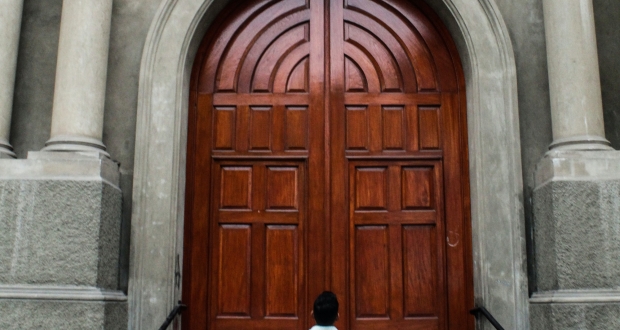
(159, 186)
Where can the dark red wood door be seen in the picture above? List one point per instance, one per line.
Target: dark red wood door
(327, 151)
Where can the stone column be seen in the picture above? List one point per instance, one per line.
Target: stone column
(574, 82)
(11, 18)
(577, 186)
(81, 72)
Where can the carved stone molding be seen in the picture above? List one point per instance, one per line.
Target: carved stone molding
(500, 275)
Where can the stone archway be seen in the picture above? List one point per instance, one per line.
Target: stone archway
(494, 152)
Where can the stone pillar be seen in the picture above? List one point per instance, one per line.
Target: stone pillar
(11, 18)
(81, 72)
(577, 186)
(574, 82)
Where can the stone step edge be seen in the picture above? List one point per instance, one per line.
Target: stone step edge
(576, 296)
(47, 292)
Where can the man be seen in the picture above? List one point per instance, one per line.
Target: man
(325, 311)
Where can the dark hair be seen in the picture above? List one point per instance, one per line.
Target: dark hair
(326, 308)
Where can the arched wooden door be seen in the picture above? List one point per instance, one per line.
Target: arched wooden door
(327, 150)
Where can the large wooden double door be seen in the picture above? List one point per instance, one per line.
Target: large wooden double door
(327, 151)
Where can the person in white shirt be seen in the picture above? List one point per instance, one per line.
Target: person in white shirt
(325, 311)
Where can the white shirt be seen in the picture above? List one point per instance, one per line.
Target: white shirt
(321, 327)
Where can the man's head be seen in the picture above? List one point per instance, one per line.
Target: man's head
(326, 308)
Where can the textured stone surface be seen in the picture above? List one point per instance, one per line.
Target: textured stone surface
(59, 232)
(577, 234)
(575, 316)
(66, 315)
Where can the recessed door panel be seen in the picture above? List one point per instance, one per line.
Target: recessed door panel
(371, 282)
(236, 188)
(234, 271)
(282, 188)
(282, 268)
(420, 271)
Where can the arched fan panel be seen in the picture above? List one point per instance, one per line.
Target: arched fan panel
(355, 79)
(432, 36)
(256, 34)
(419, 42)
(364, 27)
(297, 81)
(256, 74)
(388, 69)
(286, 74)
(371, 72)
(220, 44)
